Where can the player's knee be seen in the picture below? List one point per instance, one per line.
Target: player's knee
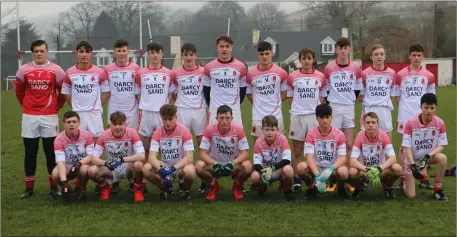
(288, 171)
(146, 169)
(93, 171)
(55, 174)
(247, 166)
(302, 168)
(342, 173)
(397, 170)
(255, 177)
(442, 159)
(189, 172)
(138, 166)
(199, 166)
(353, 173)
(83, 170)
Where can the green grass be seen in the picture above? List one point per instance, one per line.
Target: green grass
(272, 215)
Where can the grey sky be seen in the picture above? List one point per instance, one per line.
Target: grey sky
(48, 9)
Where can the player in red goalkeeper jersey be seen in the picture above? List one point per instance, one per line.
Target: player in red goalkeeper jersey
(38, 86)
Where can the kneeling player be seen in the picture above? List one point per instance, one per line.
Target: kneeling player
(174, 141)
(228, 155)
(424, 137)
(124, 154)
(325, 151)
(73, 148)
(272, 157)
(372, 146)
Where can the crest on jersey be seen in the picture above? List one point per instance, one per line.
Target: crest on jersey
(233, 140)
(253, 128)
(200, 80)
(126, 144)
(92, 78)
(332, 145)
(401, 126)
(423, 81)
(316, 82)
(132, 75)
(177, 141)
(433, 133)
(387, 81)
(234, 73)
(292, 133)
(274, 78)
(164, 78)
(351, 77)
(379, 147)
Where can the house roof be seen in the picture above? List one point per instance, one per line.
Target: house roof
(290, 42)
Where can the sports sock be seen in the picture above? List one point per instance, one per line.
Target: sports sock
(425, 178)
(76, 182)
(437, 186)
(29, 181)
(52, 181)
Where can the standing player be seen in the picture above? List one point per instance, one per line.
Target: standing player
(272, 158)
(308, 89)
(412, 83)
(121, 78)
(226, 81)
(371, 148)
(82, 86)
(325, 151)
(156, 86)
(343, 79)
(73, 149)
(124, 157)
(224, 151)
(378, 86)
(189, 92)
(424, 138)
(174, 142)
(38, 87)
(266, 89)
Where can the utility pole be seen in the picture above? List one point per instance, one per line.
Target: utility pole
(58, 43)
(434, 30)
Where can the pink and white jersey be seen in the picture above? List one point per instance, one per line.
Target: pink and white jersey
(117, 147)
(224, 147)
(423, 138)
(372, 153)
(225, 80)
(85, 87)
(268, 155)
(306, 90)
(189, 87)
(172, 145)
(154, 86)
(122, 87)
(342, 81)
(378, 87)
(71, 151)
(411, 86)
(265, 87)
(325, 148)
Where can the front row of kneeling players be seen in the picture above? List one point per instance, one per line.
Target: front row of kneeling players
(224, 152)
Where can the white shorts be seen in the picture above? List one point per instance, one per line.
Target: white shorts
(300, 125)
(343, 116)
(236, 117)
(194, 119)
(91, 121)
(120, 172)
(257, 127)
(384, 115)
(34, 126)
(148, 121)
(132, 121)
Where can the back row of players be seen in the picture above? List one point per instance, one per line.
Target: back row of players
(42, 88)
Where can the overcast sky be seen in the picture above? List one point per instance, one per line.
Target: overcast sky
(36, 9)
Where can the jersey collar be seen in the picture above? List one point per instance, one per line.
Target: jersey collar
(77, 137)
(329, 131)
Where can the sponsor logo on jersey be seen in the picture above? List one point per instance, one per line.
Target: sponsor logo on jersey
(92, 78)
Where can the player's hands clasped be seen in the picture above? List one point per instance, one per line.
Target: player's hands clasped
(416, 172)
(66, 190)
(323, 177)
(226, 170)
(74, 170)
(167, 170)
(373, 174)
(114, 163)
(321, 186)
(266, 174)
(423, 162)
(217, 169)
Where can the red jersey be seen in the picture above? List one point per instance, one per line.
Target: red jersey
(38, 88)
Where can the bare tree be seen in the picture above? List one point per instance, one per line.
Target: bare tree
(363, 12)
(338, 13)
(266, 16)
(6, 23)
(80, 16)
(178, 21)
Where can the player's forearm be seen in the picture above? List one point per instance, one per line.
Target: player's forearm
(437, 150)
(250, 98)
(322, 99)
(409, 154)
(283, 95)
(153, 160)
(389, 162)
(174, 96)
(97, 161)
(186, 160)
(356, 164)
(137, 157)
(205, 157)
(258, 167)
(397, 99)
(242, 93)
(281, 164)
(68, 99)
(105, 97)
(86, 160)
(340, 162)
(61, 166)
(170, 98)
(20, 92)
(290, 99)
(312, 164)
(243, 156)
(207, 94)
